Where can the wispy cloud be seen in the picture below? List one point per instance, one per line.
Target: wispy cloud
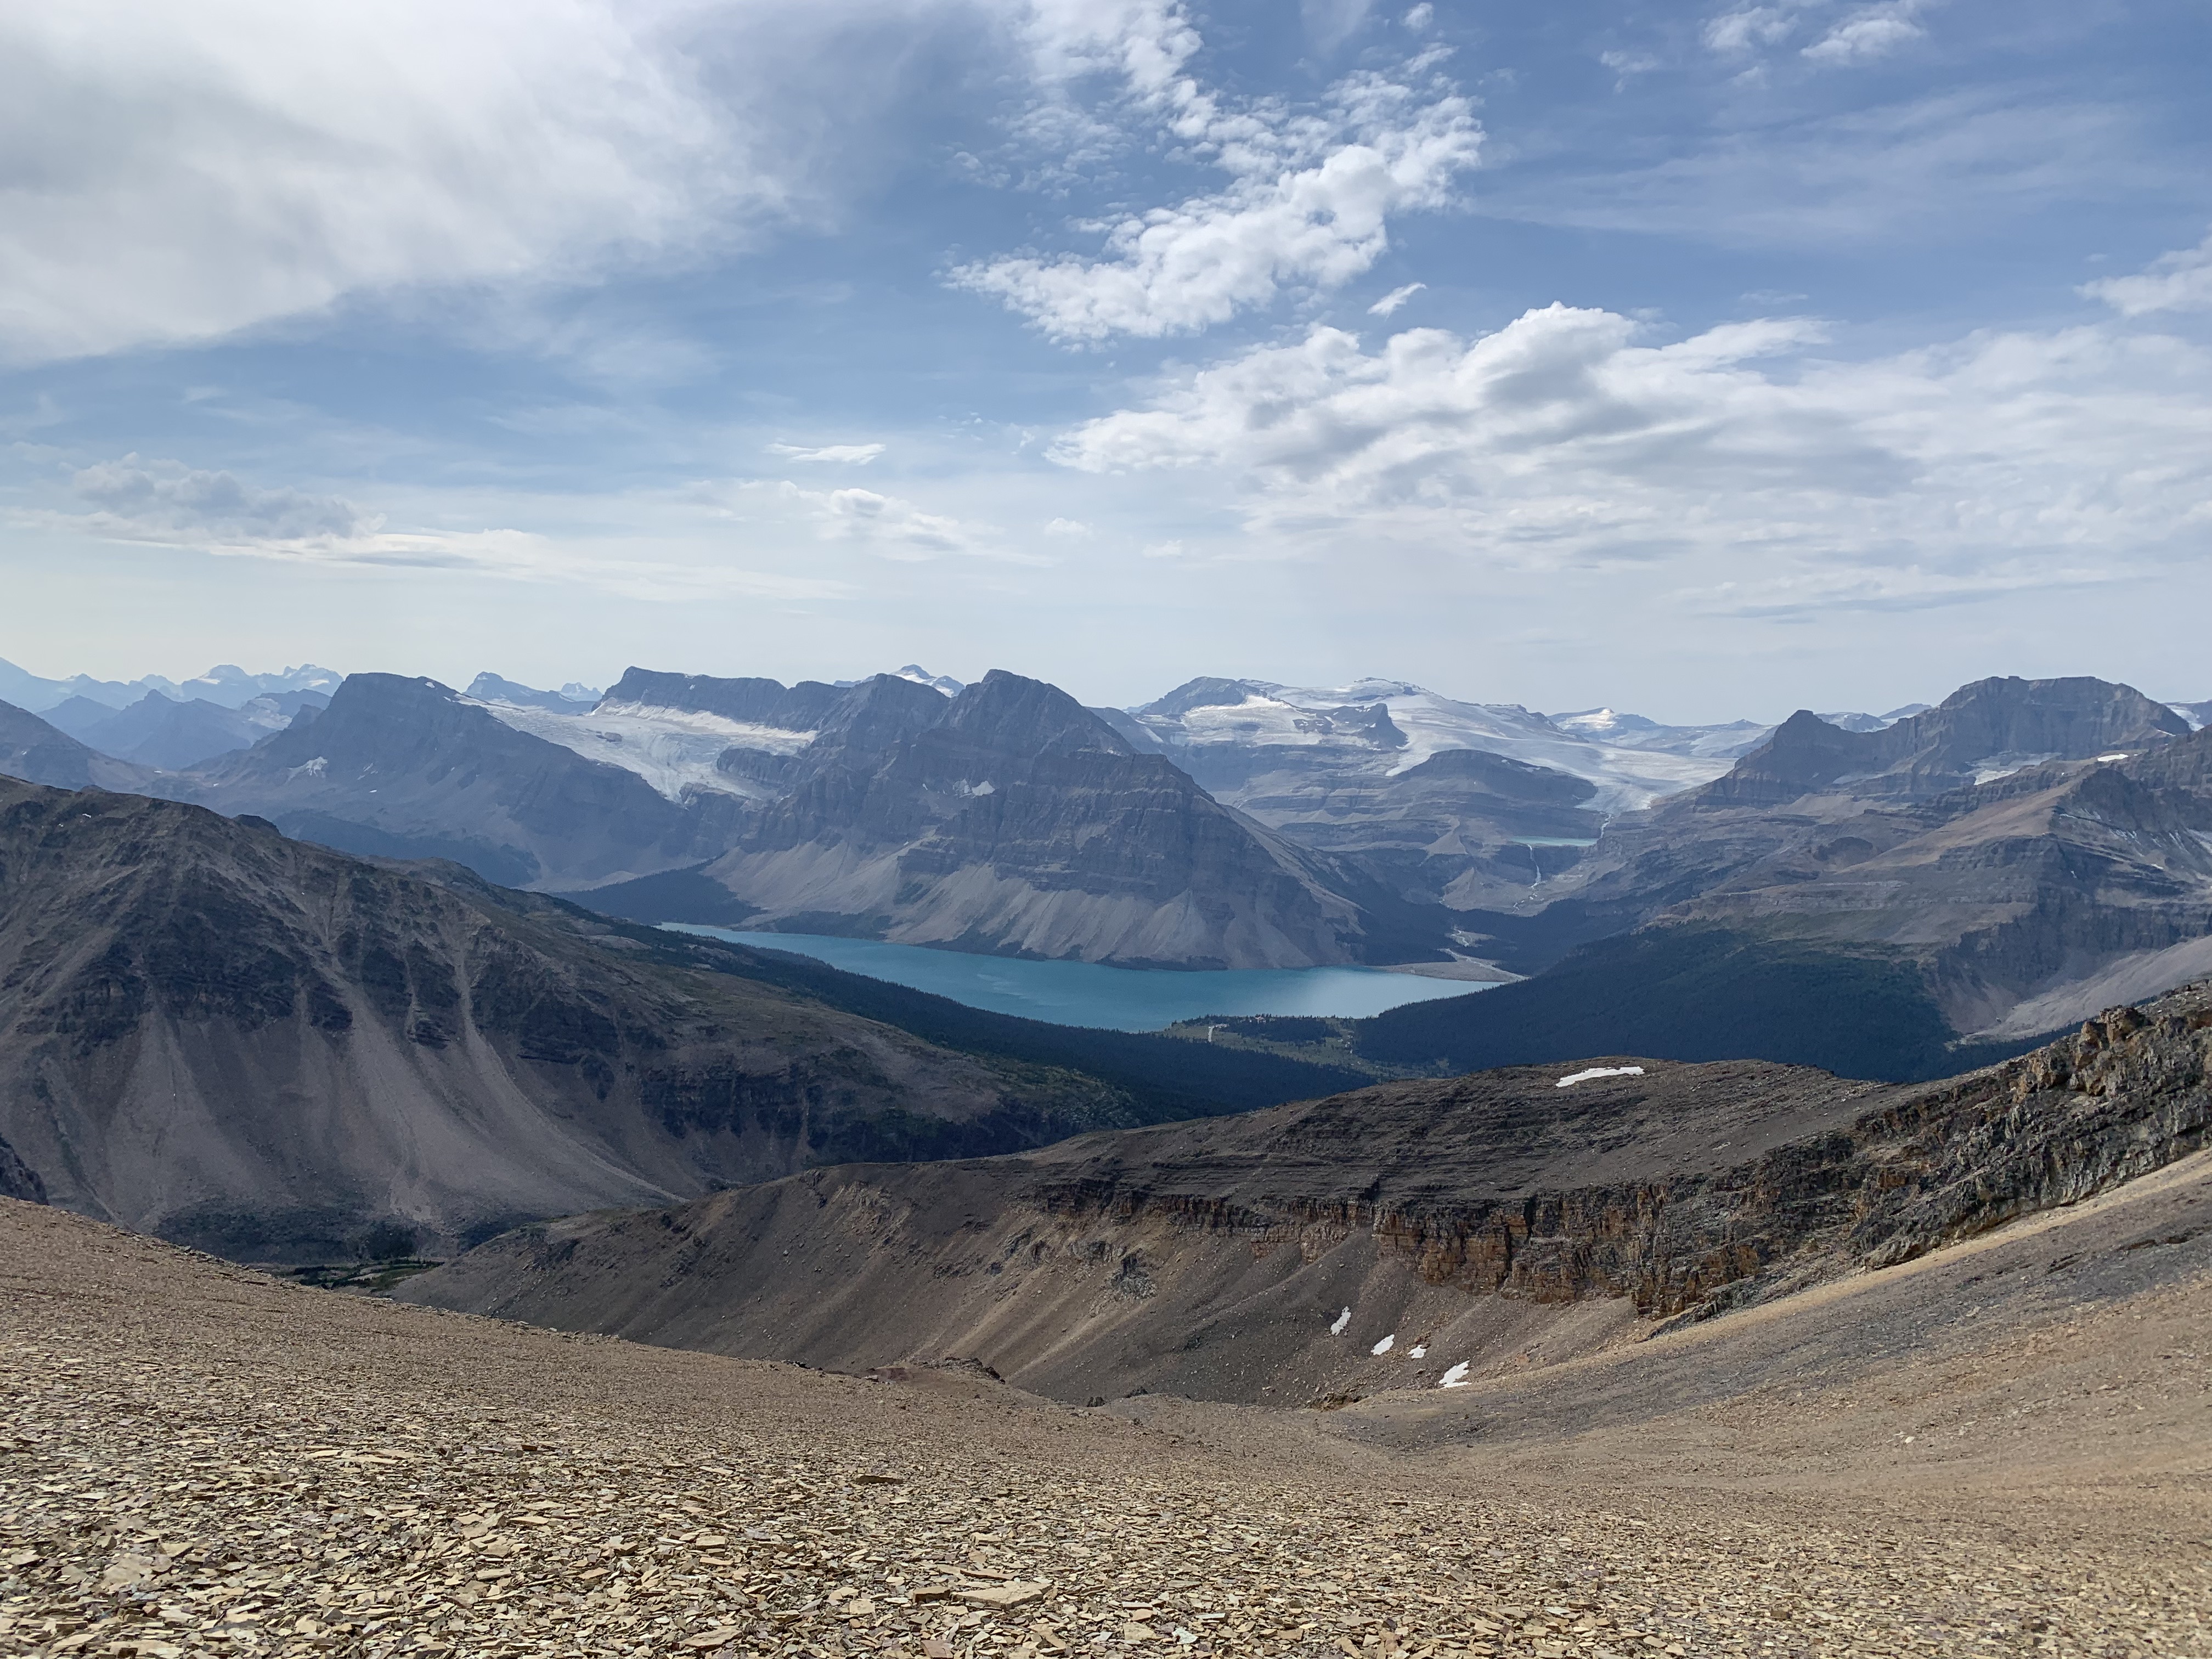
(1388, 304)
(2181, 281)
(1945, 165)
(1734, 34)
(162, 498)
(1870, 33)
(843, 454)
(421, 141)
(888, 527)
(165, 503)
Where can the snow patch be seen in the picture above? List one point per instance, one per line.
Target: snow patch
(1343, 1320)
(1420, 1350)
(1456, 1377)
(313, 769)
(671, 749)
(1385, 1345)
(1573, 1078)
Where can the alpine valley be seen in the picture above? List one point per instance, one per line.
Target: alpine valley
(1886, 893)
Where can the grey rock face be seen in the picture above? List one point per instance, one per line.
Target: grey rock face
(404, 768)
(265, 1048)
(2040, 874)
(32, 750)
(1981, 731)
(1010, 818)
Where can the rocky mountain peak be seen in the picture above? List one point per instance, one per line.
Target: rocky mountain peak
(1024, 717)
(756, 702)
(2072, 719)
(1982, 732)
(878, 712)
(1205, 692)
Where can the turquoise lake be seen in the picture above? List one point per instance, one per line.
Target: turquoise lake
(1117, 999)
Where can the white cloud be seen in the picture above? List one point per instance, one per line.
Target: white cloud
(1419, 19)
(181, 172)
(1330, 23)
(164, 503)
(1388, 304)
(845, 454)
(1145, 44)
(1943, 166)
(166, 498)
(1074, 528)
(2181, 281)
(1309, 196)
(1565, 440)
(1626, 65)
(1873, 31)
(888, 527)
(1734, 34)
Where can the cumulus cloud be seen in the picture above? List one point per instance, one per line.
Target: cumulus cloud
(2181, 281)
(1568, 438)
(1873, 31)
(845, 454)
(1307, 203)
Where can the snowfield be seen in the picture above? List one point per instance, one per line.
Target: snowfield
(672, 749)
(1630, 770)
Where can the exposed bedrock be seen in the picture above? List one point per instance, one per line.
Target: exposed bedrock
(1266, 1256)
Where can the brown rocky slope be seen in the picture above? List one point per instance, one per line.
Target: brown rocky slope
(1266, 1256)
(198, 1458)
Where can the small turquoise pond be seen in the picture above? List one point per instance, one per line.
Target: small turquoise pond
(1118, 999)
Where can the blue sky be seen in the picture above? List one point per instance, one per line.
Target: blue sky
(1703, 361)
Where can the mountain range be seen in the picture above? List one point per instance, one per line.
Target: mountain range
(214, 1032)
(1988, 869)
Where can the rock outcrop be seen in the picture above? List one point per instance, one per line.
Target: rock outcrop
(1211, 1259)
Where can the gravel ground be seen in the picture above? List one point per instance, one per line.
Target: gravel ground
(198, 1458)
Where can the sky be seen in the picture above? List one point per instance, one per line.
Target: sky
(1708, 362)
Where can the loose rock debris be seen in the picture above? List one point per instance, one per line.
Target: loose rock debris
(195, 1461)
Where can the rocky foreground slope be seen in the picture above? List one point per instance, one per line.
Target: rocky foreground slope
(196, 1459)
(1375, 1239)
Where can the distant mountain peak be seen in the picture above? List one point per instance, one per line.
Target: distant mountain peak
(920, 676)
(494, 688)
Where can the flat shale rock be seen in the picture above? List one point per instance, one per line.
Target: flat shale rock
(197, 1460)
